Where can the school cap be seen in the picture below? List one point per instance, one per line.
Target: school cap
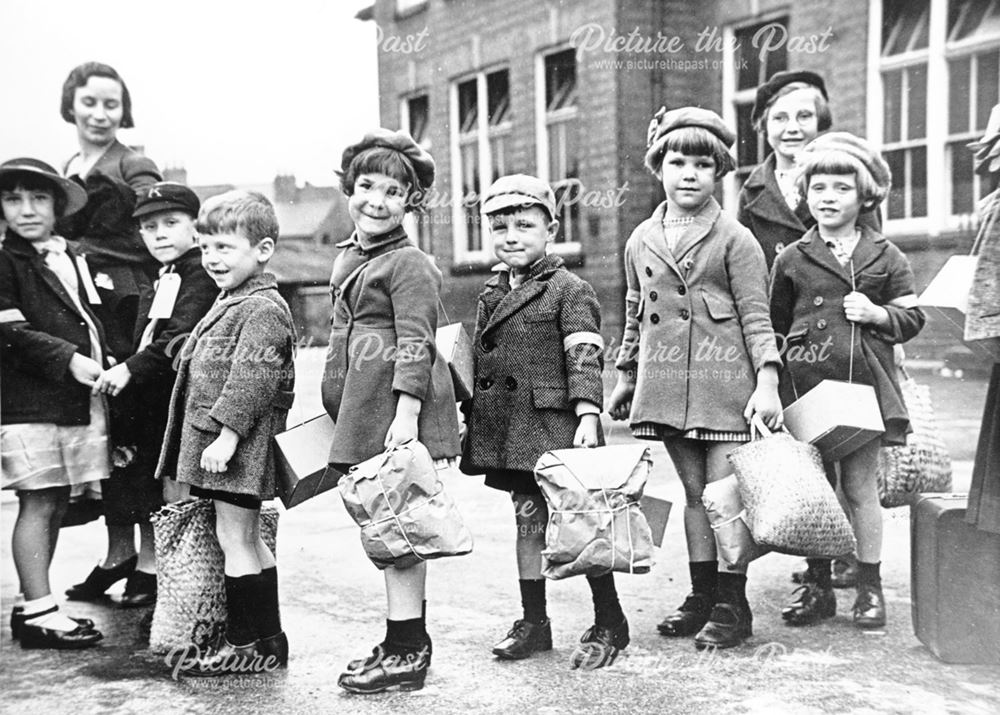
(76, 196)
(778, 80)
(423, 162)
(519, 190)
(664, 122)
(854, 146)
(166, 196)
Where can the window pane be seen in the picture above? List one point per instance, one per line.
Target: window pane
(753, 71)
(897, 195)
(893, 82)
(470, 194)
(746, 147)
(560, 80)
(498, 153)
(568, 209)
(498, 96)
(904, 25)
(959, 100)
(986, 84)
(962, 199)
(418, 110)
(468, 110)
(916, 123)
(918, 181)
(964, 17)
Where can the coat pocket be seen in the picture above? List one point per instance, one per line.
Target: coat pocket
(718, 308)
(539, 316)
(550, 398)
(200, 419)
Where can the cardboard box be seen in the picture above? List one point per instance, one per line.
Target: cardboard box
(456, 347)
(300, 456)
(837, 417)
(946, 300)
(657, 511)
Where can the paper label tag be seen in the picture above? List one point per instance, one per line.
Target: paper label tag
(166, 295)
(88, 284)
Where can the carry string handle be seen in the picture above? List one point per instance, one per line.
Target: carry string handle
(854, 288)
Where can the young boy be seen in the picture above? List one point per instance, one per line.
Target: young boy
(232, 394)
(538, 387)
(166, 213)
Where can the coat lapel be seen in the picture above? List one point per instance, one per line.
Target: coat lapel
(524, 294)
(813, 247)
(699, 228)
(656, 242)
(768, 202)
(869, 249)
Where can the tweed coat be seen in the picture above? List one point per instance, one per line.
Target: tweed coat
(41, 328)
(385, 315)
(697, 328)
(236, 370)
(762, 209)
(808, 286)
(538, 351)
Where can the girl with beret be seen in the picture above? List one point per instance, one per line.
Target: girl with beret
(843, 289)
(52, 428)
(698, 356)
(386, 294)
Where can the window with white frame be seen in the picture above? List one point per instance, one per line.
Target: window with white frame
(481, 127)
(414, 118)
(558, 141)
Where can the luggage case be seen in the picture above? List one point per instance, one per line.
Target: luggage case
(955, 581)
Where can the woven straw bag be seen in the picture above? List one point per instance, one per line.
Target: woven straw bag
(923, 465)
(790, 504)
(191, 599)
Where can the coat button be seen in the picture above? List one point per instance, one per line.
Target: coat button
(649, 271)
(681, 290)
(779, 247)
(485, 383)
(510, 383)
(654, 319)
(685, 314)
(818, 300)
(653, 295)
(821, 324)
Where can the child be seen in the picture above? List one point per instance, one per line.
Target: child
(843, 287)
(698, 356)
(538, 387)
(166, 213)
(386, 295)
(232, 394)
(53, 430)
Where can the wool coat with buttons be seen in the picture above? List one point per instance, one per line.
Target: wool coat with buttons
(762, 208)
(808, 286)
(382, 343)
(538, 352)
(236, 371)
(41, 328)
(697, 327)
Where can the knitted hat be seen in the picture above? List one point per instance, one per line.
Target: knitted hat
(76, 196)
(519, 190)
(831, 143)
(664, 122)
(778, 80)
(423, 163)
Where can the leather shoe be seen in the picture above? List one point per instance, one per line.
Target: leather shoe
(689, 618)
(275, 647)
(524, 639)
(844, 572)
(140, 590)
(812, 605)
(224, 658)
(377, 654)
(100, 580)
(17, 620)
(600, 645)
(869, 607)
(728, 626)
(33, 636)
(383, 670)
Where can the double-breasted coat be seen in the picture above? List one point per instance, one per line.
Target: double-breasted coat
(762, 209)
(808, 286)
(538, 352)
(235, 370)
(382, 343)
(697, 327)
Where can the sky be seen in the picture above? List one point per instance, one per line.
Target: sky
(235, 91)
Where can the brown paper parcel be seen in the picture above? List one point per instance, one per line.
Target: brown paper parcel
(727, 517)
(404, 513)
(595, 523)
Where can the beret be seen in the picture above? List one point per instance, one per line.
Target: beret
(778, 80)
(664, 122)
(519, 190)
(76, 196)
(854, 146)
(423, 163)
(166, 196)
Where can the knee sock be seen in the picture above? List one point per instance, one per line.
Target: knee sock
(269, 620)
(704, 576)
(533, 599)
(607, 610)
(819, 572)
(242, 594)
(732, 589)
(868, 574)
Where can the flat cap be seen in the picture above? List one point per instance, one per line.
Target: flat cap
(519, 190)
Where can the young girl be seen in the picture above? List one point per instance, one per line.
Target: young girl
(385, 292)
(843, 287)
(52, 428)
(698, 356)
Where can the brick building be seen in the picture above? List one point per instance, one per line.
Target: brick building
(564, 90)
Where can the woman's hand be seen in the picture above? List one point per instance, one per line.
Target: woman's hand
(587, 431)
(404, 424)
(84, 370)
(765, 401)
(620, 403)
(858, 308)
(113, 380)
(216, 456)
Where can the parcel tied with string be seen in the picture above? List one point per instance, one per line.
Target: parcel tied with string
(595, 523)
(405, 515)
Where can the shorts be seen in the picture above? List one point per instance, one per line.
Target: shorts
(512, 480)
(244, 501)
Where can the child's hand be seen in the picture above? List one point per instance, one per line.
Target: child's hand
(587, 430)
(113, 380)
(404, 424)
(858, 308)
(84, 370)
(216, 456)
(620, 404)
(765, 401)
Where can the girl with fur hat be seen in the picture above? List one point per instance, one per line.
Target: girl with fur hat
(698, 358)
(386, 293)
(843, 291)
